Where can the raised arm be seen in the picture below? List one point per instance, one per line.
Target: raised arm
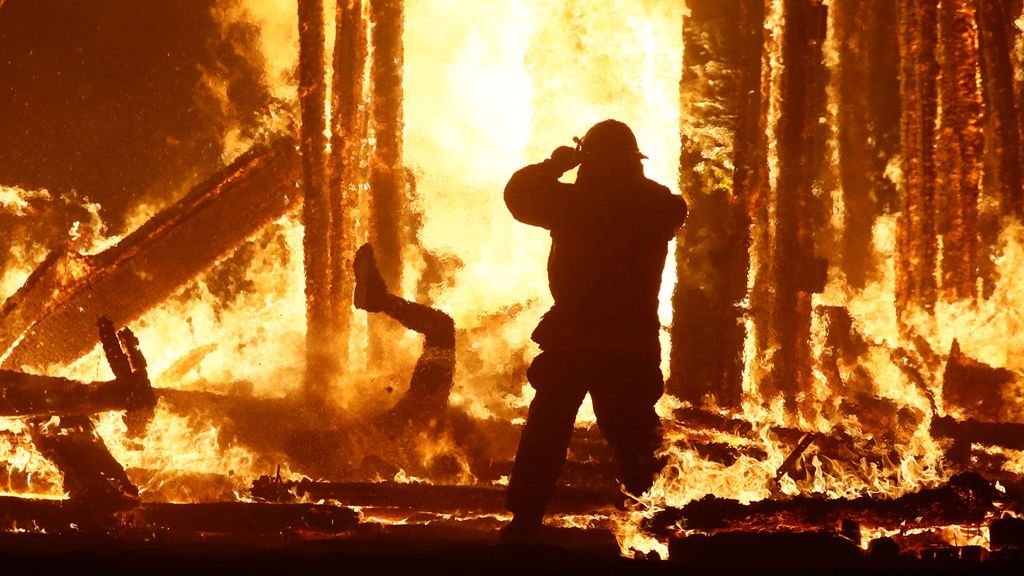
(535, 196)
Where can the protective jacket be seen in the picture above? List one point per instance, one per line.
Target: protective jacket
(609, 242)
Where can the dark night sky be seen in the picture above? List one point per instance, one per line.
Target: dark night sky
(107, 97)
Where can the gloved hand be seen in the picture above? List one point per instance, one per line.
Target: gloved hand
(564, 158)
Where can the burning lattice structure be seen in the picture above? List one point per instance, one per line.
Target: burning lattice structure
(840, 322)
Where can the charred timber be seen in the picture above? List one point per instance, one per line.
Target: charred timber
(721, 149)
(1003, 434)
(960, 148)
(387, 174)
(868, 118)
(1003, 153)
(916, 240)
(802, 99)
(316, 209)
(979, 390)
(966, 499)
(51, 319)
(347, 177)
(421, 496)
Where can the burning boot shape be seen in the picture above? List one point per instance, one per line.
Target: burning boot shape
(427, 398)
(59, 410)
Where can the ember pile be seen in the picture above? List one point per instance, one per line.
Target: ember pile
(842, 318)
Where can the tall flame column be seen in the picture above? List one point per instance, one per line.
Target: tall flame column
(720, 152)
(316, 209)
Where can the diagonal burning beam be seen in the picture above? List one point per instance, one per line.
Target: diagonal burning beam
(52, 318)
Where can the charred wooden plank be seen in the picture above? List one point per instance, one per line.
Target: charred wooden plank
(51, 319)
(92, 477)
(967, 498)
(31, 395)
(243, 518)
(868, 124)
(422, 497)
(1005, 434)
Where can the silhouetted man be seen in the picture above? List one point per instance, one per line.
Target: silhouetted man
(609, 240)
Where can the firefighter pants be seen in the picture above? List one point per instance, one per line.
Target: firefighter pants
(623, 385)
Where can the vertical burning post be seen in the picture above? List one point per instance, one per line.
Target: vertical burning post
(387, 184)
(916, 243)
(316, 209)
(960, 147)
(720, 153)
(867, 111)
(347, 178)
(802, 101)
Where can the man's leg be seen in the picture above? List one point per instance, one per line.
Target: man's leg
(545, 438)
(624, 399)
(432, 378)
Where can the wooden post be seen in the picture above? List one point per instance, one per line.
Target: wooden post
(386, 171)
(916, 237)
(959, 148)
(316, 210)
(867, 111)
(347, 177)
(721, 146)
(1003, 147)
(802, 101)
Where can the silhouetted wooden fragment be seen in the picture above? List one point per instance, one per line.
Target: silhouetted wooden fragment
(1004, 434)
(965, 499)
(421, 496)
(978, 390)
(52, 318)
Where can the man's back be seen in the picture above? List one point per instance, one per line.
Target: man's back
(609, 244)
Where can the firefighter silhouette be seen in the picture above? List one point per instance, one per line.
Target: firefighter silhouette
(609, 240)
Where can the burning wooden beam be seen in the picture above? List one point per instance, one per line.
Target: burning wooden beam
(916, 237)
(867, 111)
(347, 175)
(802, 100)
(387, 175)
(722, 149)
(420, 496)
(52, 318)
(960, 147)
(316, 209)
(1003, 142)
(966, 498)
